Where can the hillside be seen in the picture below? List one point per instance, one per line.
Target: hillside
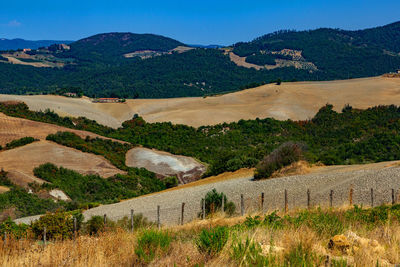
(151, 66)
(15, 44)
(334, 52)
(110, 47)
(279, 102)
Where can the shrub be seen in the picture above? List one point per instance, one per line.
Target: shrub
(249, 253)
(139, 221)
(302, 255)
(151, 243)
(212, 241)
(213, 203)
(20, 142)
(95, 225)
(16, 230)
(59, 225)
(284, 155)
(171, 181)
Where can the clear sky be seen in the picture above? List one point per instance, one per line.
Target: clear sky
(194, 22)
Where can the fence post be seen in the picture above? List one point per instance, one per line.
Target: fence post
(75, 227)
(132, 222)
(203, 200)
(262, 202)
(331, 198)
(223, 204)
(351, 196)
(44, 236)
(372, 197)
(5, 238)
(182, 212)
(308, 199)
(241, 205)
(393, 199)
(286, 201)
(158, 217)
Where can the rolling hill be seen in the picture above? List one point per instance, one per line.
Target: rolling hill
(15, 44)
(152, 66)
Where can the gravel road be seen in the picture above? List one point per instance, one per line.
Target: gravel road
(339, 179)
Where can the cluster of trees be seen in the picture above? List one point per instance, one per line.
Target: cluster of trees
(352, 136)
(95, 189)
(20, 142)
(113, 151)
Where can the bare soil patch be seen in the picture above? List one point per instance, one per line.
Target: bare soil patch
(21, 161)
(186, 169)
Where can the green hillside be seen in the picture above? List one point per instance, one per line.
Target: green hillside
(100, 69)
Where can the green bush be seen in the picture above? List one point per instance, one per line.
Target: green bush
(171, 181)
(20, 142)
(139, 221)
(302, 255)
(95, 225)
(212, 241)
(249, 253)
(59, 225)
(213, 203)
(11, 228)
(151, 243)
(284, 155)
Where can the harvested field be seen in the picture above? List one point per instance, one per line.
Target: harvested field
(15, 128)
(186, 169)
(296, 101)
(21, 161)
(382, 177)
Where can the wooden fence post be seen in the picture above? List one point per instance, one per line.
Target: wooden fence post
(331, 198)
(241, 205)
(5, 238)
(105, 220)
(203, 202)
(393, 199)
(286, 201)
(372, 197)
(132, 222)
(262, 202)
(308, 199)
(44, 236)
(351, 196)
(158, 217)
(182, 212)
(223, 204)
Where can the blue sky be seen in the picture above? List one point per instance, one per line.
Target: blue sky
(193, 22)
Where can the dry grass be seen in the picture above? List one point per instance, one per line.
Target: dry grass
(296, 168)
(379, 243)
(279, 102)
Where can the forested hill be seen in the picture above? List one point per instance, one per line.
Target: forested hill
(153, 66)
(336, 53)
(110, 47)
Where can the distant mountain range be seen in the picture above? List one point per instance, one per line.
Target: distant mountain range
(14, 44)
(154, 66)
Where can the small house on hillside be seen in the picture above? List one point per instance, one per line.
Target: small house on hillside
(69, 94)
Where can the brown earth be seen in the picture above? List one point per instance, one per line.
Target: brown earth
(296, 101)
(15, 128)
(186, 169)
(21, 161)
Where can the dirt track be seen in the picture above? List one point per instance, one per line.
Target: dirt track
(21, 161)
(380, 176)
(297, 101)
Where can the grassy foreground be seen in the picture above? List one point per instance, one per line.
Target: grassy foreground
(319, 237)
